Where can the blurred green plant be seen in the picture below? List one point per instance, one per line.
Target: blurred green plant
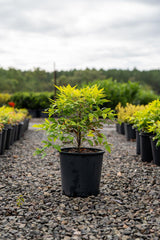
(20, 200)
(79, 118)
(32, 100)
(129, 92)
(4, 98)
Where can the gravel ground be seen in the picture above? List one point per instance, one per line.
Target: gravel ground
(128, 206)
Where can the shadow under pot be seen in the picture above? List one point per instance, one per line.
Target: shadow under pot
(155, 151)
(145, 146)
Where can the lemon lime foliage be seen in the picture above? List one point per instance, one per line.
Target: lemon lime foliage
(148, 120)
(79, 118)
(10, 115)
(144, 119)
(4, 98)
(126, 114)
(155, 130)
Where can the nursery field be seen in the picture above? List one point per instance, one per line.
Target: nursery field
(32, 205)
(105, 184)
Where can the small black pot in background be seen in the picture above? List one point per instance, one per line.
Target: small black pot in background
(145, 146)
(20, 130)
(80, 172)
(16, 132)
(43, 114)
(117, 127)
(33, 112)
(26, 124)
(155, 151)
(4, 137)
(130, 132)
(9, 136)
(138, 149)
(13, 134)
(0, 141)
(120, 128)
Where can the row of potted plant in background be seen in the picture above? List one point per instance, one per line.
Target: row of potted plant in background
(13, 123)
(141, 123)
(36, 103)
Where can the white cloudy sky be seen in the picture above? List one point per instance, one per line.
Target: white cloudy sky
(79, 34)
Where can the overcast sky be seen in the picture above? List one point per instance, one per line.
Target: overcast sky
(121, 34)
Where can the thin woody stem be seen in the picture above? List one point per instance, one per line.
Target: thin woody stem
(79, 132)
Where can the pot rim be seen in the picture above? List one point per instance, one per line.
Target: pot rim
(147, 134)
(98, 151)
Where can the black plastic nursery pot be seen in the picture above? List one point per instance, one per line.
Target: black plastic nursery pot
(16, 132)
(138, 149)
(145, 146)
(0, 141)
(122, 129)
(13, 134)
(20, 130)
(81, 172)
(4, 137)
(117, 127)
(155, 151)
(130, 132)
(26, 124)
(43, 114)
(34, 113)
(9, 136)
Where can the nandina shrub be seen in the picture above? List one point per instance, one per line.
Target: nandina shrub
(144, 119)
(10, 115)
(126, 114)
(80, 118)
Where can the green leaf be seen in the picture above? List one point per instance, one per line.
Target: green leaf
(108, 148)
(90, 134)
(90, 142)
(90, 115)
(57, 147)
(100, 139)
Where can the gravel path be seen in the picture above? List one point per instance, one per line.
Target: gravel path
(128, 206)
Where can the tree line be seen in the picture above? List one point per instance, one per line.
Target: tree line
(38, 80)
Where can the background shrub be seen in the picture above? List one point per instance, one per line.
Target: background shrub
(4, 98)
(32, 100)
(130, 92)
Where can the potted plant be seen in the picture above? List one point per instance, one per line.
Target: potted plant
(79, 120)
(155, 141)
(143, 120)
(13, 122)
(1, 129)
(125, 116)
(120, 118)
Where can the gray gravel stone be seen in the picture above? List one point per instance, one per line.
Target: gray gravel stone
(127, 207)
